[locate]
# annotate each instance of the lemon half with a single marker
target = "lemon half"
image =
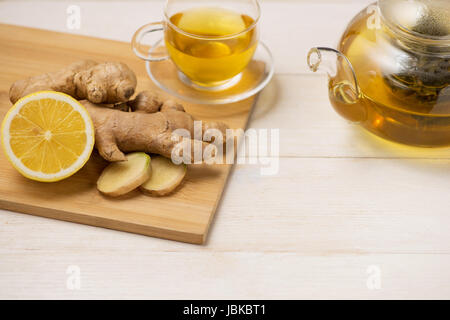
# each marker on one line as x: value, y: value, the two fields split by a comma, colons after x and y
x: 47, y: 136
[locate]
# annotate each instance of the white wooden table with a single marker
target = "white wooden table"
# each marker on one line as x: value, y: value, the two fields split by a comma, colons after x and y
x: 348, y: 215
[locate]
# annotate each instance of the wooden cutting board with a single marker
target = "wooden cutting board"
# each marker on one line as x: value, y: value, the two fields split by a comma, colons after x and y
x: 183, y: 216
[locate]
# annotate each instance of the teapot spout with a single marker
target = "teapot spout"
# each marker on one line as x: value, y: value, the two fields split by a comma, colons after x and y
x: 343, y: 84
x: 334, y: 63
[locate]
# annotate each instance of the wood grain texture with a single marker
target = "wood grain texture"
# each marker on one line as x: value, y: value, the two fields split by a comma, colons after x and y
x: 222, y: 275
x: 183, y: 216
x: 343, y: 200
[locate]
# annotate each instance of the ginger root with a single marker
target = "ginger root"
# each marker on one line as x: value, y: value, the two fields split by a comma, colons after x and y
x: 146, y: 102
x: 108, y: 82
x: 105, y: 90
x: 149, y: 129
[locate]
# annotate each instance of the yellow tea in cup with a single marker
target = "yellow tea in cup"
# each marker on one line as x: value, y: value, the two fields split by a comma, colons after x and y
x: 210, y: 45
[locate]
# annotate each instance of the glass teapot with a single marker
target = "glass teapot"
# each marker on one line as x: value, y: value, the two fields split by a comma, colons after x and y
x: 391, y: 72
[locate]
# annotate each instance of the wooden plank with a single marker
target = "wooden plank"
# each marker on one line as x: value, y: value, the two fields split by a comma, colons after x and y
x: 223, y: 275
x: 183, y: 216
x: 313, y: 206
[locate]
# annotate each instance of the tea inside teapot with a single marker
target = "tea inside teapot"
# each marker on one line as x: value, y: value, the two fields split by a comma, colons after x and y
x: 391, y: 71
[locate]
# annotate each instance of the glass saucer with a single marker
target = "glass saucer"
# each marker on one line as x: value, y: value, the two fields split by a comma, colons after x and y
x: 251, y: 80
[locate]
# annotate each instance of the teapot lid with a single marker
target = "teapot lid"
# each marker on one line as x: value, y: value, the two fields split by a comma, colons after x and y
x: 423, y: 18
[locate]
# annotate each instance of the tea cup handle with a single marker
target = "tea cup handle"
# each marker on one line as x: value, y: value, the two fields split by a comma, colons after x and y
x: 138, y: 47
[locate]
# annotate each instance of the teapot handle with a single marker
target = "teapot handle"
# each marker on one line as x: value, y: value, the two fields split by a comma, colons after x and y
x: 338, y: 68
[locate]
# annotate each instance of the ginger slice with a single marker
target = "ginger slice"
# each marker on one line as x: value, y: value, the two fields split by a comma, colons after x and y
x: 119, y: 178
x: 165, y: 177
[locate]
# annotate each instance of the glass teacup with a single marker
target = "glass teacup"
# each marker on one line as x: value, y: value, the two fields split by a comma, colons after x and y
x: 210, y: 42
